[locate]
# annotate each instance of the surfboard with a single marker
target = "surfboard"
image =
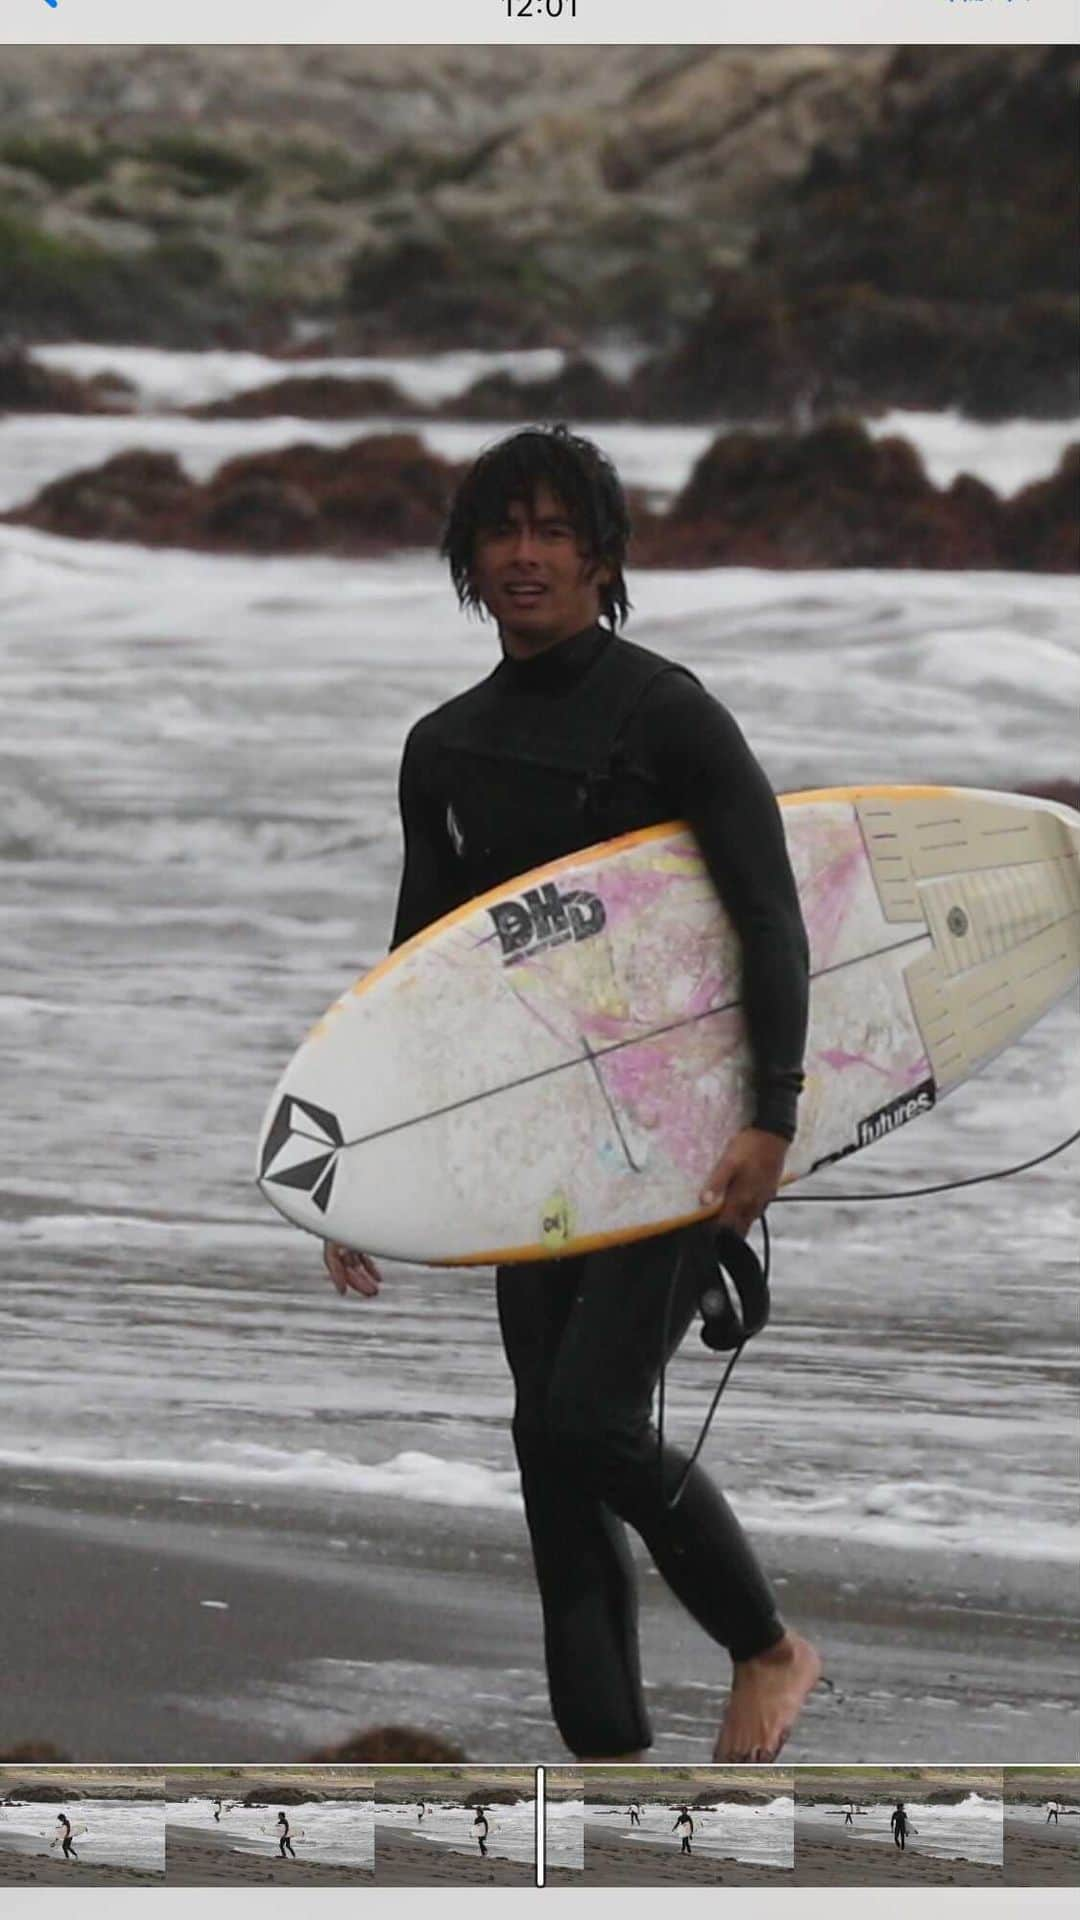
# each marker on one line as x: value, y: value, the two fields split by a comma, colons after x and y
x: 558, y: 1064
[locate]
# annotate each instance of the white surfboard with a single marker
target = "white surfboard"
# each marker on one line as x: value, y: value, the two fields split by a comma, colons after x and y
x: 558, y: 1064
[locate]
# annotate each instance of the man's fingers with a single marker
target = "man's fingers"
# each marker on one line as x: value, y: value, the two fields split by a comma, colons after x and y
x: 351, y: 1272
x: 716, y: 1190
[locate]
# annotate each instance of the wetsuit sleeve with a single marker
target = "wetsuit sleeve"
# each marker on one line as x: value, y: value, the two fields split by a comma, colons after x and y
x: 430, y: 886
x: 696, y: 752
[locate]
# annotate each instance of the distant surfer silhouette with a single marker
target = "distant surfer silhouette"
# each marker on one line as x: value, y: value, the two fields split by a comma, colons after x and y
x: 285, y: 1845
x: 899, y: 1824
x: 480, y: 1828
x: 635, y: 1814
x: 685, y: 1826
x: 64, y: 1835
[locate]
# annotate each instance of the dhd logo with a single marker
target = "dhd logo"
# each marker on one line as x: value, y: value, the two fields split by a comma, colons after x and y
x: 543, y: 918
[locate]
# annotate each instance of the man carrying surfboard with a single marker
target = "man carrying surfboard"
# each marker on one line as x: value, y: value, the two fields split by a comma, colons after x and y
x: 64, y: 1834
x: 577, y: 737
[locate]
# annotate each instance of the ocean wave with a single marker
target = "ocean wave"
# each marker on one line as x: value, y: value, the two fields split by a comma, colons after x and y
x: 412, y: 1475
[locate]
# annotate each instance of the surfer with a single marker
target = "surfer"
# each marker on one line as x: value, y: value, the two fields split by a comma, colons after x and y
x: 480, y: 1828
x: 64, y: 1835
x: 684, y: 1825
x: 849, y: 1814
x: 635, y: 1814
x: 217, y: 1810
x: 899, y: 1823
x: 285, y: 1845
x: 1052, y: 1812
x: 576, y: 737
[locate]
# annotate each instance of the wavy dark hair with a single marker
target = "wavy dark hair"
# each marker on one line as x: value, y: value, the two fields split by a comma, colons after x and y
x: 577, y: 473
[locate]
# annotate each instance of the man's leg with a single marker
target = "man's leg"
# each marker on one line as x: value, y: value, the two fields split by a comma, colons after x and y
x: 584, y: 1568
x: 600, y: 1410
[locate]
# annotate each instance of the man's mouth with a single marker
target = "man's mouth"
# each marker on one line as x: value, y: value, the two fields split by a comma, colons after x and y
x: 524, y: 592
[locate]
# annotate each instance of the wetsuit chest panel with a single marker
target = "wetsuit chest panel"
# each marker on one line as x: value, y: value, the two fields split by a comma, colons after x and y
x: 526, y: 776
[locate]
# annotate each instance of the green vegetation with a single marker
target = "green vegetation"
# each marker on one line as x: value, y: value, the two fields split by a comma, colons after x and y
x: 61, y: 162
x: 209, y: 167
x: 54, y: 287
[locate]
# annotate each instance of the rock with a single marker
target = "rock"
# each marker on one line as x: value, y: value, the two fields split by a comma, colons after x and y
x: 894, y: 214
x: 429, y: 293
x: 760, y: 353
x: 133, y: 496
x: 374, y: 494
x: 934, y: 200
x: 259, y: 514
x: 311, y: 397
x: 1041, y: 523
x: 27, y: 386
x: 392, y: 1745
x: 581, y: 392
x: 280, y: 1796
x: 833, y: 497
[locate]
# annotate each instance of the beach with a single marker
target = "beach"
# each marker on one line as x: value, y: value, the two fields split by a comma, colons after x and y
x: 402, y: 1861
x: 18, y: 1869
x: 1042, y: 1855
x: 622, y: 1862
x: 958, y: 1658
x: 194, y: 1858
x: 854, y: 1863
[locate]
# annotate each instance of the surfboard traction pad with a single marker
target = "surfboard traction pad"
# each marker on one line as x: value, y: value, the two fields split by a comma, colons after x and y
x: 1005, y: 930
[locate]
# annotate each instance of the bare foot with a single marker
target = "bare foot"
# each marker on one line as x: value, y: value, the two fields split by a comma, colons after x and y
x: 768, y: 1694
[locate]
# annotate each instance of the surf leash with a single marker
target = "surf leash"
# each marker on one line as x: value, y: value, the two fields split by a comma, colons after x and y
x: 905, y: 1193
x: 749, y: 1326
x: 945, y: 1186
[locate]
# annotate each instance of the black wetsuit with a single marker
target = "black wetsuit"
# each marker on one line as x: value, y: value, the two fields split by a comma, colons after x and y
x: 66, y: 1846
x: 684, y: 1821
x: 899, y: 1825
x: 594, y: 738
x: 480, y: 1828
x: 285, y: 1844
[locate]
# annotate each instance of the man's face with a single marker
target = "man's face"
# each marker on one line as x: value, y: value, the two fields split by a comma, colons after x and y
x: 532, y: 576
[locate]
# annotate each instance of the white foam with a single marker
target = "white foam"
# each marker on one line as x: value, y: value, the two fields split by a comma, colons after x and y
x: 165, y: 378
x: 411, y: 1475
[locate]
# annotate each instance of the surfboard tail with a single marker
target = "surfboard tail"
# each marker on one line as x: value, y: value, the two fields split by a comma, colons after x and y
x: 996, y: 883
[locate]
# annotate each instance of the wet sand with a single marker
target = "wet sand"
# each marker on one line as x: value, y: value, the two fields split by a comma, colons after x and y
x: 872, y: 1863
x: 401, y: 1861
x: 45, y: 1870
x: 616, y: 1862
x: 1049, y: 1857
x: 946, y: 1658
x: 197, y: 1859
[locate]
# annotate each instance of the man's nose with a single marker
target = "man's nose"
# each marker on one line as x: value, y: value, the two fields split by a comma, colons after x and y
x: 525, y: 542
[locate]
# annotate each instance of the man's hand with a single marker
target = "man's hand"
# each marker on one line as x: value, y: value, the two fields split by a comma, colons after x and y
x: 351, y: 1272
x: 746, y: 1178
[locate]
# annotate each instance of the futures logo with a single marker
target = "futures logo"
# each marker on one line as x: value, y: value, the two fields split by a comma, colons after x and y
x: 543, y: 918
x: 288, y: 1158
x: 896, y: 1114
